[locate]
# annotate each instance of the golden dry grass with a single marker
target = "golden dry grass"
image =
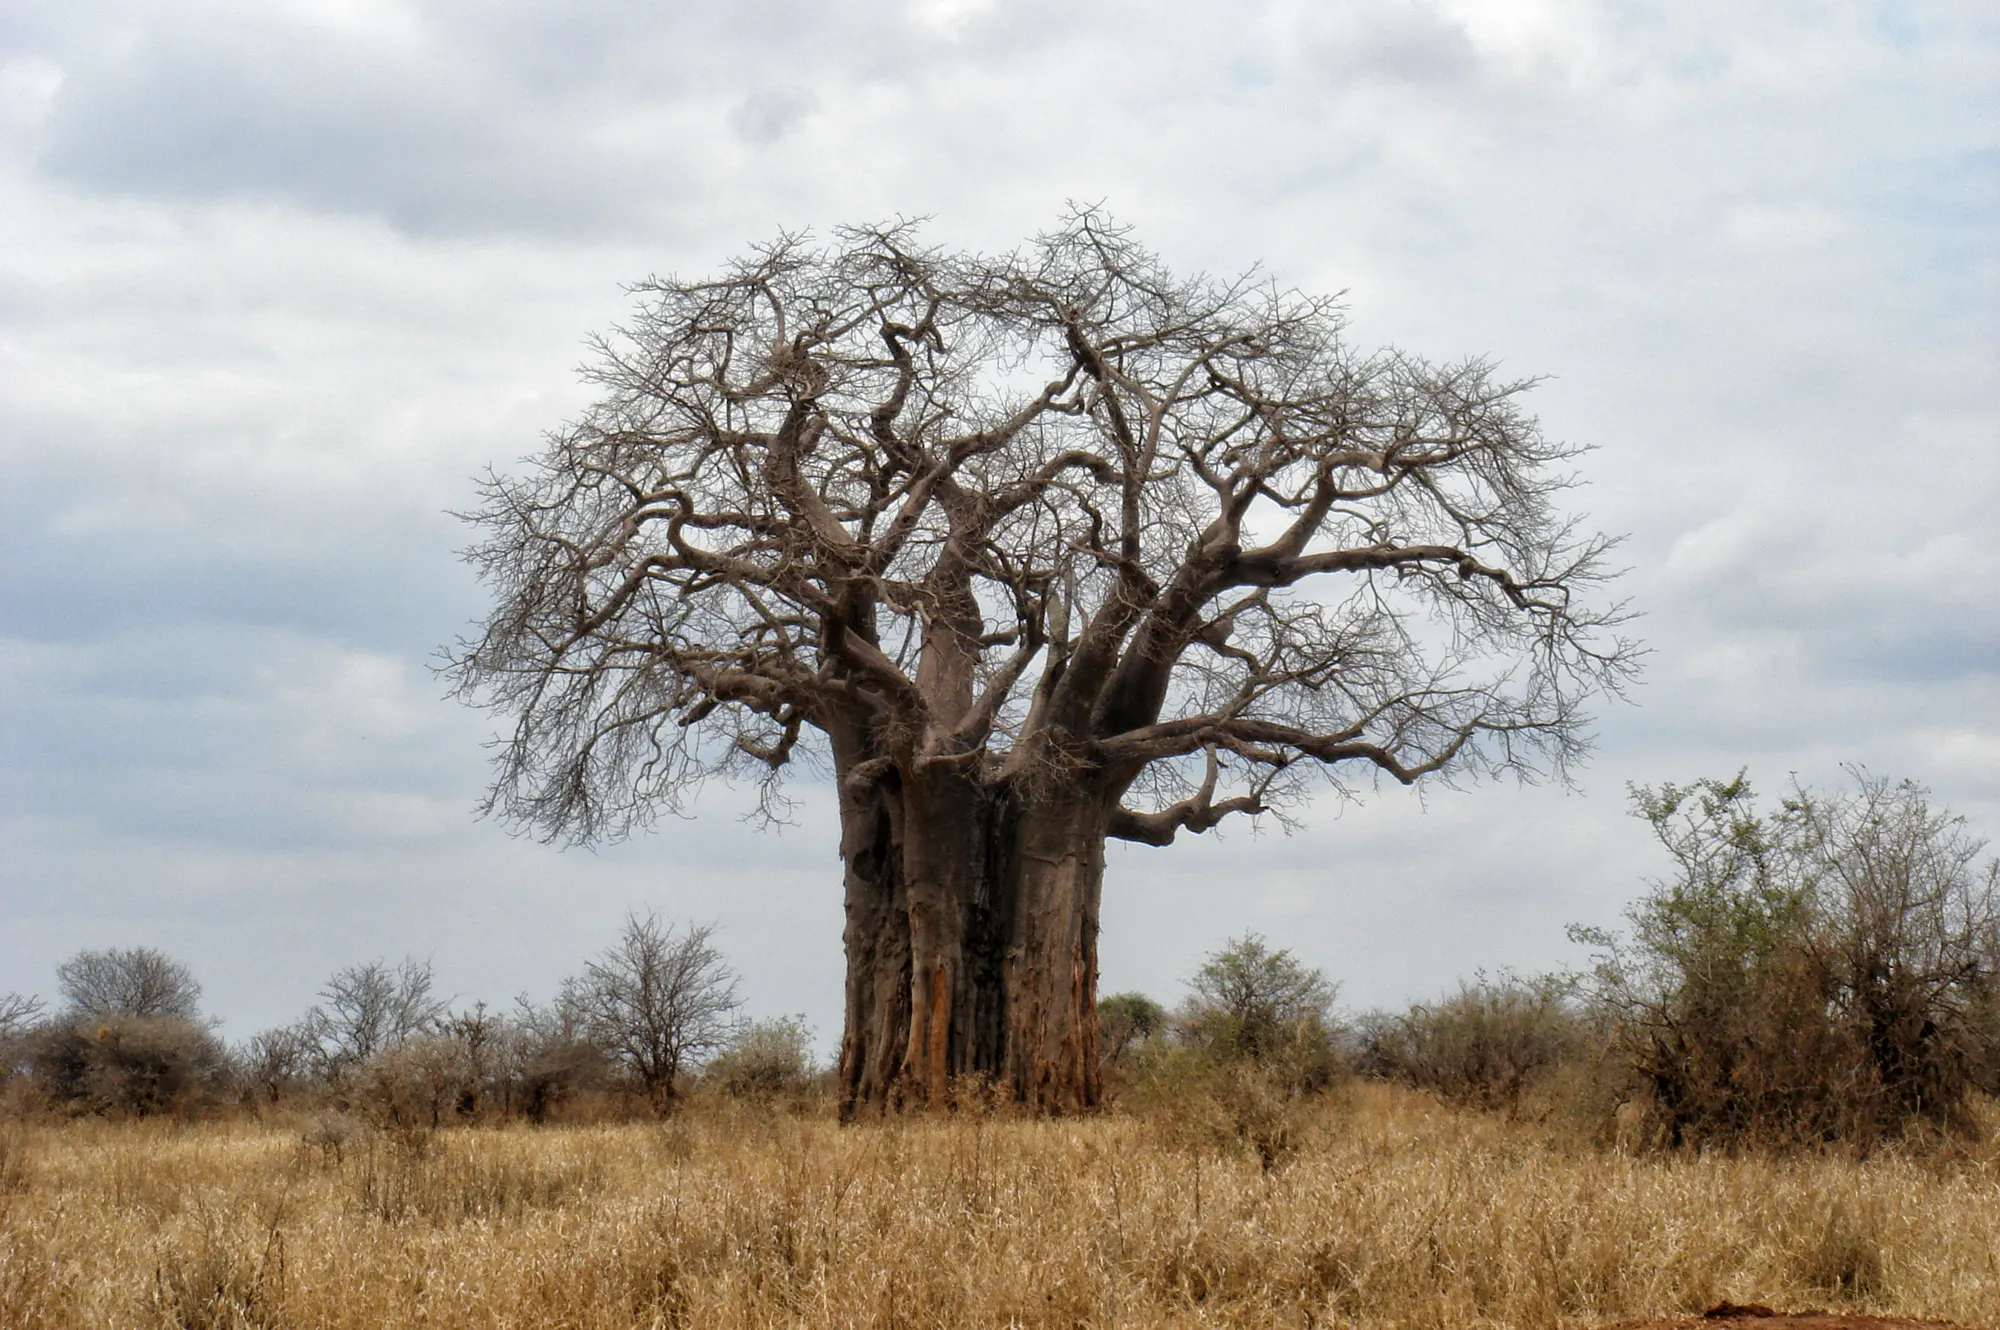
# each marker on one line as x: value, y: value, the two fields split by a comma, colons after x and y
x: 1392, y: 1212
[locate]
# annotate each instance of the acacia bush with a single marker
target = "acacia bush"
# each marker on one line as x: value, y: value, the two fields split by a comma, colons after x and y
x: 1822, y: 971
x: 1240, y: 1065
x: 1252, y: 1005
x: 1910, y: 932
x: 1130, y: 1029
x: 129, y: 1040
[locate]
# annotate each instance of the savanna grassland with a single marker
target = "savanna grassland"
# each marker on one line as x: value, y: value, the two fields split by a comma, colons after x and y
x: 1374, y: 1207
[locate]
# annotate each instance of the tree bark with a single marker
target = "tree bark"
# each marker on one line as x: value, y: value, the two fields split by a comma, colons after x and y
x: 1050, y: 975
x: 971, y: 943
x: 877, y: 938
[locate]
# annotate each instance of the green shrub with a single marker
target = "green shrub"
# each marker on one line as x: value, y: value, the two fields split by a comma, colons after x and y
x: 1262, y: 1007
x: 1125, y: 1023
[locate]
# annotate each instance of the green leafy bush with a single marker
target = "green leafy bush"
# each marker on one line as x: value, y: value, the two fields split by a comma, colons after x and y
x: 1253, y: 1005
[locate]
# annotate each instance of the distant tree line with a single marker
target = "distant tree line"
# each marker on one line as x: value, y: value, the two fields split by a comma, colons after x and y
x: 642, y: 1018
x: 1821, y: 970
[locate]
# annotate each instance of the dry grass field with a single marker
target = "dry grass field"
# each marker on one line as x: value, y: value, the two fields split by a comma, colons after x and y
x: 1388, y: 1210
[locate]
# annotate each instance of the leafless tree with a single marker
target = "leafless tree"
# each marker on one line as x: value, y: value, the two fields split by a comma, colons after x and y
x: 17, y: 1013
x: 130, y: 981
x: 272, y: 1062
x: 554, y: 1054
x: 1031, y: 551
x: 659, y: 999
x: 367, y: 1009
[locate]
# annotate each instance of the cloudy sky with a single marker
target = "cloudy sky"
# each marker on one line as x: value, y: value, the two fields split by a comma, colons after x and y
x: 277, y: 277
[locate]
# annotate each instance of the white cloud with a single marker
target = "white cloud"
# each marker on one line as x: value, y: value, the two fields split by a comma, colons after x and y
x: 950, y: 18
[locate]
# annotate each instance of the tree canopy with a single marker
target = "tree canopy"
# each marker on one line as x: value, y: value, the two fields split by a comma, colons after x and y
x: 978, y: 500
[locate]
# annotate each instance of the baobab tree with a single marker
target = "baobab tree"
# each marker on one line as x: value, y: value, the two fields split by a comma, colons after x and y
x: 1026, y: 552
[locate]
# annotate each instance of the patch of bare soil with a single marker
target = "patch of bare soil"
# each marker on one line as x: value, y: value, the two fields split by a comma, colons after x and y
x: 1755, y: 1316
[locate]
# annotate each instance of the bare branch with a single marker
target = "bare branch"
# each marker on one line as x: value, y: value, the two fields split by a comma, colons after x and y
x: 1059, y: 509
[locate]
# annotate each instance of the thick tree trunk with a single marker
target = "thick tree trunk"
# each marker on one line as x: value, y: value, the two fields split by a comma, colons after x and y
x: 877, y: 937
x: 1050, y: 974
x: 971, y: 944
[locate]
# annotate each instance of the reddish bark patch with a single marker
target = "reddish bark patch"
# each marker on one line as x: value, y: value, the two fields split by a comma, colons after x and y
x: 1756, y: 1316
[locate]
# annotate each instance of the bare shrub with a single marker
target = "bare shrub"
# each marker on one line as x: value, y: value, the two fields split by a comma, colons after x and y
x: 328, y: 1136
x: 128, y: 1065
x: 274, y: 1063
x: 130, y: 1039
x: 1907, y: 918
x: 420, y: 1082
x: 18, y: 1015
x: 1485, y: 1046
x: 487, y: 1041
x: 765, y: 1061
x: 552, y: 1058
